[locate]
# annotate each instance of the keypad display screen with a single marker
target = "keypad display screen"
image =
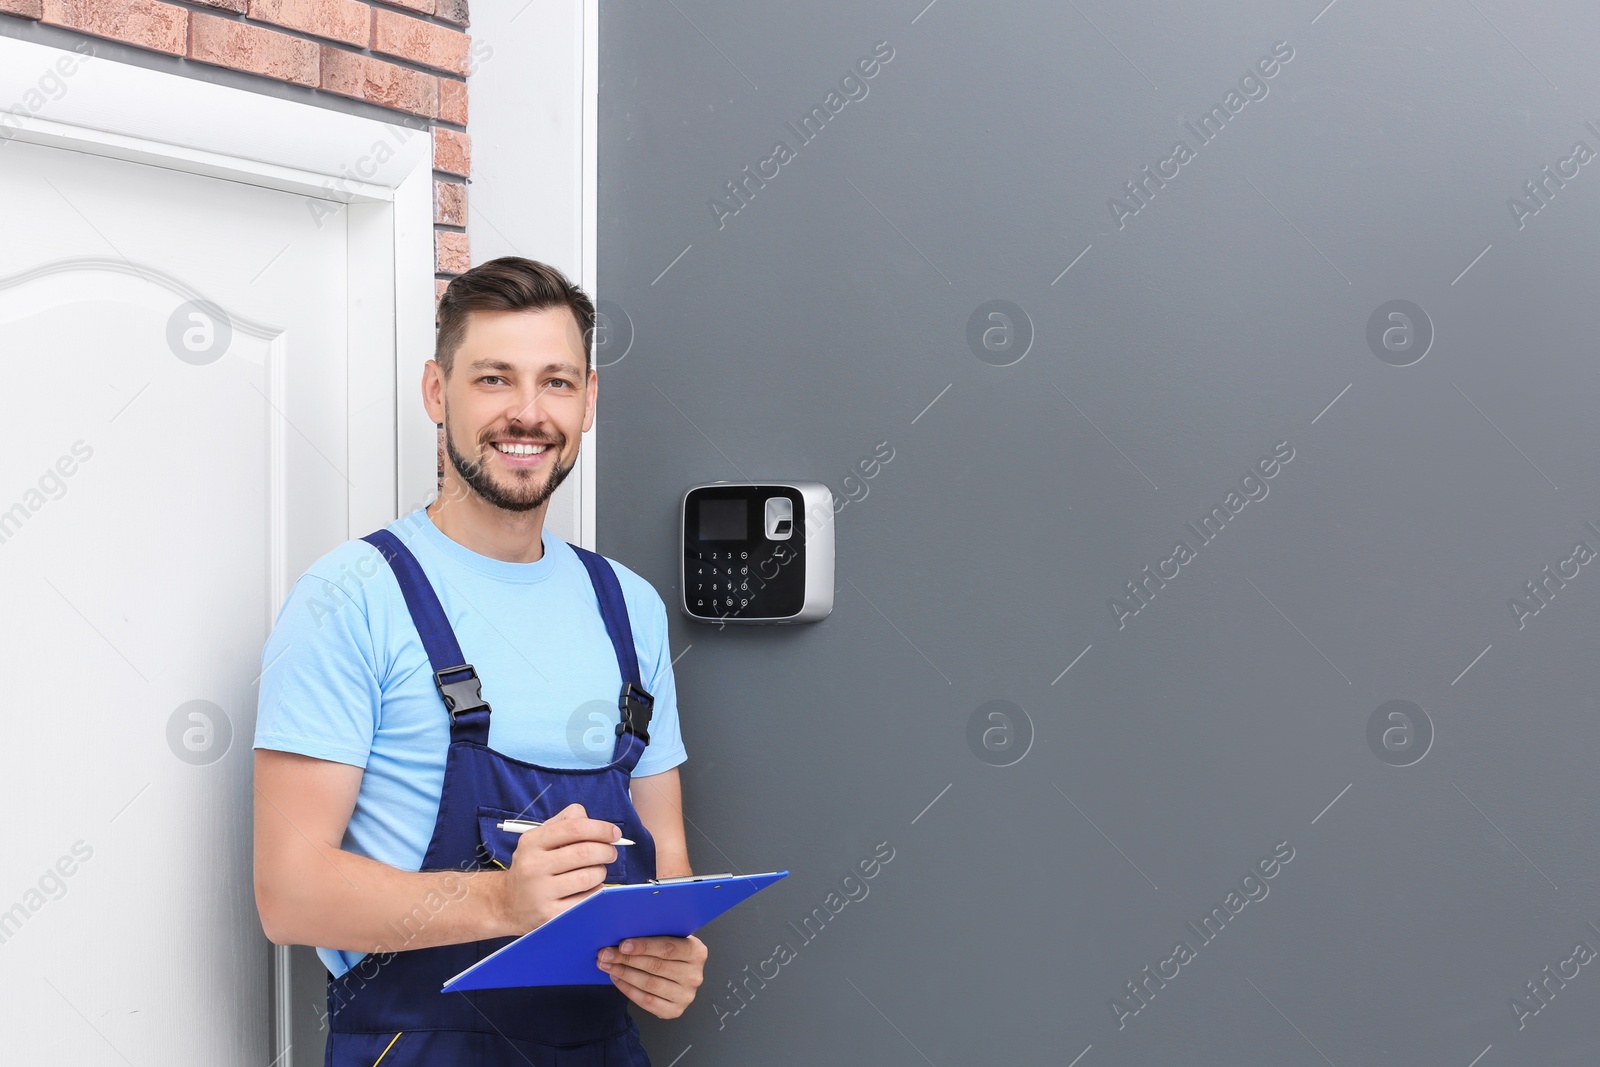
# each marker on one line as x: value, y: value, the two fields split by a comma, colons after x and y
x: 725, y: 519
x: 732, y: 569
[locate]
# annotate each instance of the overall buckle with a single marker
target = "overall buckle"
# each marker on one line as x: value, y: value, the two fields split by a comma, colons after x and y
x: 636, y: 705
x: 463, y: 694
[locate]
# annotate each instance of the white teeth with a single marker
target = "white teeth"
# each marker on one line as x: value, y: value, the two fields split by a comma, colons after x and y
x: 520, y: 450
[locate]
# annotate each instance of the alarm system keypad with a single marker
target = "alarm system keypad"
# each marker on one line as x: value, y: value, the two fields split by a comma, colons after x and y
x: 726, y: 581
x: 744, y: 553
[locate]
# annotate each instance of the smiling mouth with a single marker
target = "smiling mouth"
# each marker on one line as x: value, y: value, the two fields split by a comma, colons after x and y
x: 519, y: 448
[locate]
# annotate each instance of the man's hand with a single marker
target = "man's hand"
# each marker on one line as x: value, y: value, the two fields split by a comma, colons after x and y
x: 660, y: 974
x: 557, y: 865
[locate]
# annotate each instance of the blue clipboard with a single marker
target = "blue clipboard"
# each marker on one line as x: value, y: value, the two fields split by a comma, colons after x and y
x: 563, y: 950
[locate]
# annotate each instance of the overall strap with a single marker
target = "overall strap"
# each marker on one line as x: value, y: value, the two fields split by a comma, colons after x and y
x: 633, y: 731
x: 453, y: 676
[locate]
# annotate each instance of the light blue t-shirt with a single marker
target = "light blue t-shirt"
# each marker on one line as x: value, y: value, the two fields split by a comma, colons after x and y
x: 345, y: 677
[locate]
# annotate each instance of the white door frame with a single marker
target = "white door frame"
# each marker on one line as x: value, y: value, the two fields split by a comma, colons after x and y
x: 381, y: 176
x: 589, y: 270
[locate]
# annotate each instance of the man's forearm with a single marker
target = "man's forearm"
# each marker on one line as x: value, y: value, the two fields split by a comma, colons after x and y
x: 344, y: 901
x: 672, y: 863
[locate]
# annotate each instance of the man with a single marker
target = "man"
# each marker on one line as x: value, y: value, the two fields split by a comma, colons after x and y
x: 436, y: 678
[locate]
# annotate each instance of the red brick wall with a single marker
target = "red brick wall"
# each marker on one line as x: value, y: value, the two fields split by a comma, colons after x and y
x: 410, y: 56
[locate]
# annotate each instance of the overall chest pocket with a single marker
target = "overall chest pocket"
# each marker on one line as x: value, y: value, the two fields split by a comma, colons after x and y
x: 496, y: 846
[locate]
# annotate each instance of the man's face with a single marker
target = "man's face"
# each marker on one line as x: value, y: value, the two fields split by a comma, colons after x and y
x: 516, y: 404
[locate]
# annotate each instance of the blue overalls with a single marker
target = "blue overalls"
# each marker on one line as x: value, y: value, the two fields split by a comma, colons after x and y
x: 389, y: 1008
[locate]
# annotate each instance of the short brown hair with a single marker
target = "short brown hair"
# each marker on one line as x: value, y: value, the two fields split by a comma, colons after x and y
x: 509, y: 283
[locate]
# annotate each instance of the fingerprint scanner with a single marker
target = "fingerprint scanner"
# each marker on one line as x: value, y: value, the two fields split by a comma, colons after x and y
x: 779, y: 523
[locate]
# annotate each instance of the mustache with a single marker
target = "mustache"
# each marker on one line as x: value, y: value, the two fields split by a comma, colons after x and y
x: 524, y: 438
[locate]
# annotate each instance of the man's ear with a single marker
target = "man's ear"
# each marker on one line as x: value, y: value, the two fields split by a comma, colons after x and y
x: 433, y: 391
x: 589, y: 400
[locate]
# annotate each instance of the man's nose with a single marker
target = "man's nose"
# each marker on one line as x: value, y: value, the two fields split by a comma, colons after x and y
x: 527, y: 407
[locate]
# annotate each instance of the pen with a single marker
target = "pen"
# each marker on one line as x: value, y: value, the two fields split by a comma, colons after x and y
x: 522, y: 826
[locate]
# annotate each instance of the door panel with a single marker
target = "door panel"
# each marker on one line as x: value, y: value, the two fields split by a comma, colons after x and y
x: 176, y: 451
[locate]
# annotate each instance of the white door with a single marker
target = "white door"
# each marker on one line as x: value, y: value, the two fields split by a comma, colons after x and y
x: 176, y: 450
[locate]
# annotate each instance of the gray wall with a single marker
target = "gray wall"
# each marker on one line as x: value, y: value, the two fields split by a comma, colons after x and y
x: 1220, y: 320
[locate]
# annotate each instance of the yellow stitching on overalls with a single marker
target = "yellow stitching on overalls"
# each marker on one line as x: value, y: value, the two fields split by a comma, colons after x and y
x: 386, y: 1049
x: 497, y: 863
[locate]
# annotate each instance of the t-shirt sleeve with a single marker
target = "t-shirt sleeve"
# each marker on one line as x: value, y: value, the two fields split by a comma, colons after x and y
x: 320, y: 692
x: 665, y: 750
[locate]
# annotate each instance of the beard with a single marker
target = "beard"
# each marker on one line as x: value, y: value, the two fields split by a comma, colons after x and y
x: 525, y: 493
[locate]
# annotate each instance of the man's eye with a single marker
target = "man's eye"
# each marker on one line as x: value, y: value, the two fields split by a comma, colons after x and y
x: 491, y: 377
